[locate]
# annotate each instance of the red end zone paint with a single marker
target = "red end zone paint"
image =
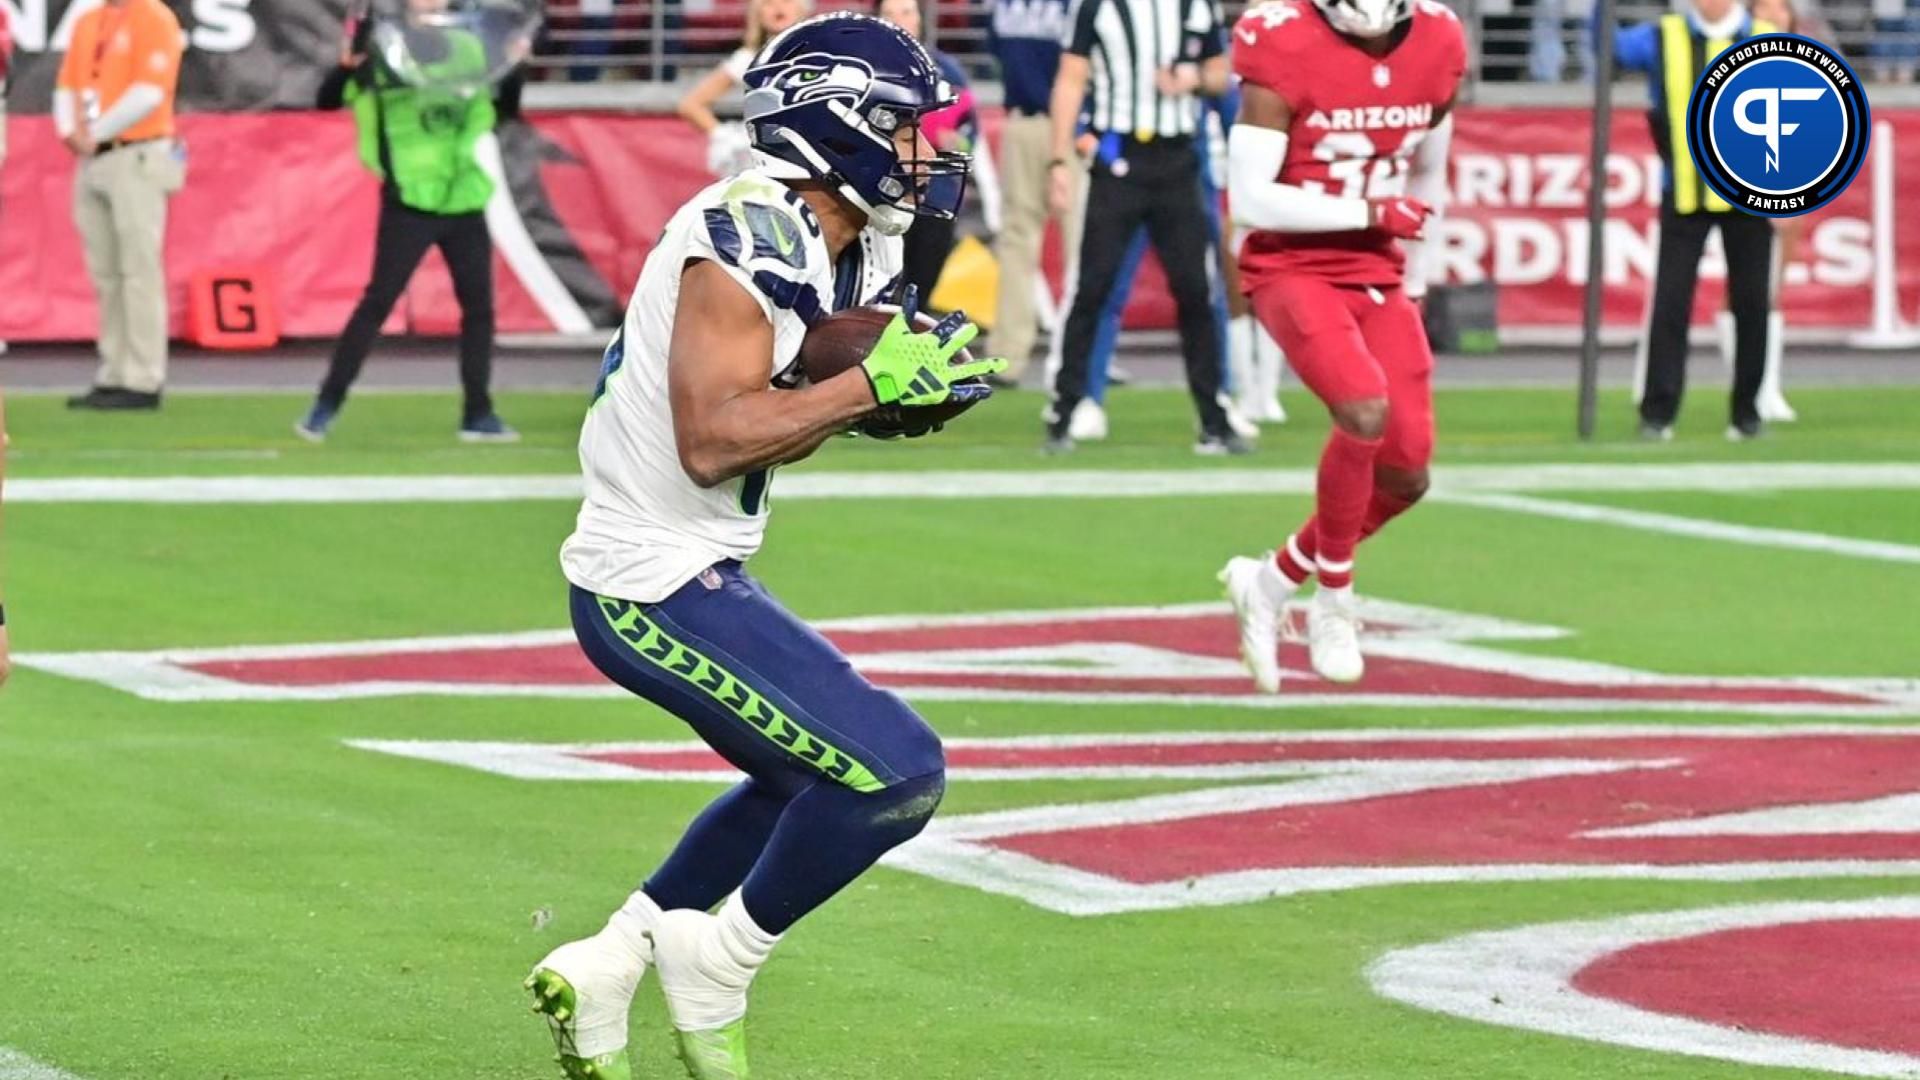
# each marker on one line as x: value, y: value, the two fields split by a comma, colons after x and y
x: 1847, y: 982
x: 537, y: 665
x: 1543, y: 820
x: 1172, y: 653
x: 1821, y: 986
x: 1266, y: 814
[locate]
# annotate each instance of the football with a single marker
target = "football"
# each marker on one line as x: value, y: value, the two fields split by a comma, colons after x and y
x: 842, y: 340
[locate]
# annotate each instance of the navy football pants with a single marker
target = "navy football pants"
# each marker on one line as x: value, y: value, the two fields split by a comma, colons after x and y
x: 838, y: 771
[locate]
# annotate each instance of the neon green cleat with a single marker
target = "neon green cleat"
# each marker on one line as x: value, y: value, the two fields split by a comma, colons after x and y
x: 719, y: 1054
x: 554, y: 998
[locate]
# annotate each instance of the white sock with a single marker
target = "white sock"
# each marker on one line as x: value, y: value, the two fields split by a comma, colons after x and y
x: 746, y: 945
x: 1274, y: 583
x: 1240, y: 367
x: 630, y: 926
x: 728, y: 953
x: 1334, y: 597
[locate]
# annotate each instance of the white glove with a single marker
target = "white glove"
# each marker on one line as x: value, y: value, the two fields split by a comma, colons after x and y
x: 728, y: 150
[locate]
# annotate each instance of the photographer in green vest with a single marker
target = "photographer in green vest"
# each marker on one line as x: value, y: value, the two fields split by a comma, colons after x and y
x: 420, y: 94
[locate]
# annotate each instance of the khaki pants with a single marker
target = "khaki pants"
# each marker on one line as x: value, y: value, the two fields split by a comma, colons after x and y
x: 120, y: 206
x: 1024, y: 153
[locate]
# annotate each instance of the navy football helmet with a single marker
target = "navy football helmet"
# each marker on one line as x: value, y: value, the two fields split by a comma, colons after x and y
x: 823, y: 102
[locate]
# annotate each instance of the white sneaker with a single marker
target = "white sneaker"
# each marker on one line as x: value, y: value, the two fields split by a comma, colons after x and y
x: 1333, y: 638
x: 1259, y: 592
x: 706, y: 992
x: 1241, y: 423
x: 1271, y: 412
x: 1088, y: 423
x: 585, y: 989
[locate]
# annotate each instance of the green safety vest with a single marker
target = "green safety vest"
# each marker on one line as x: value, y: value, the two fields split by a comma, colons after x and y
x: 1681, y: 62
x: 421, y: 140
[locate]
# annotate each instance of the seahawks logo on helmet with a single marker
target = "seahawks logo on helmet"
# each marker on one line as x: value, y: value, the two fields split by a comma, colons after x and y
x: 825, y: 101
x: 816, y: 78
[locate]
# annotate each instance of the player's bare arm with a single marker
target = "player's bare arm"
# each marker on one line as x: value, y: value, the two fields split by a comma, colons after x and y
x: 726, y: 420
x: 1063, y: 109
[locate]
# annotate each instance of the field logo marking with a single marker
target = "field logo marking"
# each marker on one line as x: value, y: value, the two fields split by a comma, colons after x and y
x: 1797, y: 985
x: 15, y: 1065
x: 1283, y: 813
x: 1179, y: 655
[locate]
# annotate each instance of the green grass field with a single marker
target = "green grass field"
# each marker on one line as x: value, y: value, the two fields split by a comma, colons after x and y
x: 211, y: 889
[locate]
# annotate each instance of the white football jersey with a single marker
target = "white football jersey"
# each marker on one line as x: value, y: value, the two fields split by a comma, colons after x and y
x: 645, y: 528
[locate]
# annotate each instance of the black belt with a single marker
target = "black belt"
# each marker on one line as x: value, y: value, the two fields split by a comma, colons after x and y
x: 111, y: 145
x: 1015, y: 110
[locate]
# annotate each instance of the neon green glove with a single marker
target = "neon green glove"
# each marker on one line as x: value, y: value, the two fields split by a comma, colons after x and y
x: 914, y: 367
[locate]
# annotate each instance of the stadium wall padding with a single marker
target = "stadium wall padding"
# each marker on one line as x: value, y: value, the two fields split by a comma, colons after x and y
x: 282, y: 192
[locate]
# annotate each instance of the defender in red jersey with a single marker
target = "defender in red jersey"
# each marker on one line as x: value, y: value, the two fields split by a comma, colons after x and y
x: 1335, y: 166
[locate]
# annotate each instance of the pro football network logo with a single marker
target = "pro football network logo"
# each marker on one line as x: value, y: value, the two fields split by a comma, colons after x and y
x: 1778, y: 125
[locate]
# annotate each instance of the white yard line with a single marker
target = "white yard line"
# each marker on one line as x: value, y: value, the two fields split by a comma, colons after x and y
x: 15, y: 1065
x: 1696, y: 528
x: 988, y: 484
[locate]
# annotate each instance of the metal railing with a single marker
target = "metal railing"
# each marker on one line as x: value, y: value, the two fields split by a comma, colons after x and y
x: 1511, y: 41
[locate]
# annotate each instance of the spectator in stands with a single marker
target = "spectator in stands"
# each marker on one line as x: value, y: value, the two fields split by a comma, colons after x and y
x: 113, y: 107
x: 420, y: 141
x: 1896, y: 41
x: 727, y: 150
x: 1547, y: 45
x: 596, y: 26
x: 951, y: 130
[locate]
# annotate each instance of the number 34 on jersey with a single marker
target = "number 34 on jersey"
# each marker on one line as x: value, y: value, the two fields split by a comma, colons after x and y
x: 1356, y: 118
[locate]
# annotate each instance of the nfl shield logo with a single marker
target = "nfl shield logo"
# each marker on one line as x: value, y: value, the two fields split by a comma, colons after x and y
x: 1381, y: 76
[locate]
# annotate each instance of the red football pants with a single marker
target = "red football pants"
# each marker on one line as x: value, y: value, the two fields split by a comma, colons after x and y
x: 1352, y: 342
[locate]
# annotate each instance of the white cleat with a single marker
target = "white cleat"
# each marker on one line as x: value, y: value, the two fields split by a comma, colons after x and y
x: 1259, y: 593
x: 1333, y: 638
x: 1240, y: 423
x: 1773, y: 408
x: 1088, y: 422
x: 585, y: 988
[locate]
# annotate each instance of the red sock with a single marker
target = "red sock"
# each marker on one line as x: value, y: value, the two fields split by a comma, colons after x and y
x: 1345, y: 487
x: 1295, y: 557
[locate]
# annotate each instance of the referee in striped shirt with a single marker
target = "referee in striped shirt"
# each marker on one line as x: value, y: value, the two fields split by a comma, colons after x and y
x: 1143, y: 61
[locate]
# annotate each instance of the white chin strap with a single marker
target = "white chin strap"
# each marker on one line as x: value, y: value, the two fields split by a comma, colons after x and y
x: 887, y: 220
